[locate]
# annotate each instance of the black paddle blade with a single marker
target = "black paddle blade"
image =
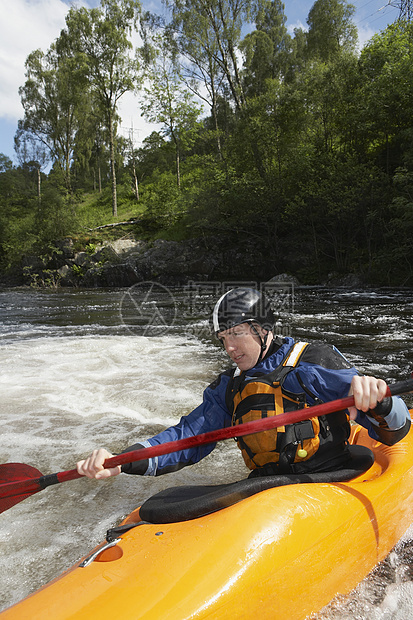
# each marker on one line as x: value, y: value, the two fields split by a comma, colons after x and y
x: 15, y: 472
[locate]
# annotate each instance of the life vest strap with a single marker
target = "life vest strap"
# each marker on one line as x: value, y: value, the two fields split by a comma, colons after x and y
x: 295, y: 354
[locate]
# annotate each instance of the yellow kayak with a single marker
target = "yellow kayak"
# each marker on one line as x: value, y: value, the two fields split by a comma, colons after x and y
x: 284, y: 552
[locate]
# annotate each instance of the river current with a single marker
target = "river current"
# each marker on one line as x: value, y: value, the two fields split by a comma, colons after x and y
x: 87, y: 368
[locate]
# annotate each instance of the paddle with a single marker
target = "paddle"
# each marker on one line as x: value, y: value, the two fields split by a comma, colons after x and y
x: 18, y: 481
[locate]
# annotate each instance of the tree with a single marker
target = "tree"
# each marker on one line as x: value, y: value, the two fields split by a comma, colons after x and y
x: 331, y: 90
x: 330, y: 29
x: 155, y: 156
x: 386, y: 95
x: 219, y: 34
x: 31, y: 152
x: 198, y: 49
x: 101, y: 38
x: 132, y: 163
x: 54, y: 97
x: 166, y: 100
x: 6, y: 182
x: 399, y: 229
x: 268, y: 48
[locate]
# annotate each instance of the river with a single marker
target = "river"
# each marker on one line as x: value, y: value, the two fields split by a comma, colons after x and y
x: 88, y: 368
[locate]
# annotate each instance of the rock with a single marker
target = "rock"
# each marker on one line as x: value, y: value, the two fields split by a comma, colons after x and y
x: 112, y: 276
x: 32, y: 268
x: 82, y: 259
x: 65, y: 246
x: 285, y: 277
x: 127, y: 246
x: 67, y: 277
x: 350, y: 280
x: 106, y: 254
x: 127, y: 261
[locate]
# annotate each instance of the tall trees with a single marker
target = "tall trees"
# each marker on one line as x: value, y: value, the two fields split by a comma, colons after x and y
x: 268, y: 48
x: 387, y: 94
x: 299, y: 130
x: 215, y: 28
x: 329, y: 75
x: 84, y: 74
x: 54, y: 97
x: 101, y: 37
x: 331, y: 29
x: 31, y: 152
x: 198, y: 49
x: 167, y: 102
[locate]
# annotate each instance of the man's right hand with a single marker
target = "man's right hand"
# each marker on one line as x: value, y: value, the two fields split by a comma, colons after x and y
x: 92, y: 466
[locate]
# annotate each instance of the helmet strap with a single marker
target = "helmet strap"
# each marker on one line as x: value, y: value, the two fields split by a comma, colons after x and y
x: 263, y: 341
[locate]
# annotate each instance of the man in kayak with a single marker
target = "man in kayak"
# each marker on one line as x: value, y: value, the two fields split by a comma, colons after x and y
x: 272, y: 375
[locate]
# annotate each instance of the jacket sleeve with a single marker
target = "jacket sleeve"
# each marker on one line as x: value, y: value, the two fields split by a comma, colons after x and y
x: 325, y: 374
x: 210, y: 415
x: 389, y: 422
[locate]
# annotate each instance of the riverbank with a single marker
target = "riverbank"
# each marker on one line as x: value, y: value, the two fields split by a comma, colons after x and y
x: 126, y: 261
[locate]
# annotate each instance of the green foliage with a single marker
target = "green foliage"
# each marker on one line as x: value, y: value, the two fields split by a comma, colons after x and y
x: 399, y: 247
x: 161, y: 198
x: 78, y: 271
x: 90, y: 248
x: 94, y: 209
x: 54, y: 98
x: 268, y: 49
x: 18, y: 239
x: 387, y: 86
x: 46, y: 278
x: 331, y: 30
x: 55, y: 216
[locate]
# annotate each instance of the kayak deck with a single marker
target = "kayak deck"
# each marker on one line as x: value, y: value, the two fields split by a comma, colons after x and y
x: 284, y: 552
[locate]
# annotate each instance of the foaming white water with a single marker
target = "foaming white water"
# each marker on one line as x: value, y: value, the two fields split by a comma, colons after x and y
x: 385, y: 594
x: 62, y: 397
x: 57, y: 390
x: 97, y: 375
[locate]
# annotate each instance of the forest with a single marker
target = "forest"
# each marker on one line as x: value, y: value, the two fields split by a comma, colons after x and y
x: 296, y: 146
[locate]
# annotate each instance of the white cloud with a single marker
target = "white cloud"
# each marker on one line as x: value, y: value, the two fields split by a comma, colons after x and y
x: 297, y: 24
x: 25, y: 25
x: 365, y: 33
x: 131, y: 119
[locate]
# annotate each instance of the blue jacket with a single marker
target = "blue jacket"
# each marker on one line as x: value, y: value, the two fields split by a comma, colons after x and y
x: 326, y: 374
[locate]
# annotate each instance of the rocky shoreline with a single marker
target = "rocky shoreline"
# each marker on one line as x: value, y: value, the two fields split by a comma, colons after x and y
x: 127, y: 261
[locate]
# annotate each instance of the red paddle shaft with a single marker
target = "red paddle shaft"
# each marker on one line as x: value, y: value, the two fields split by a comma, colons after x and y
x: 36, y: 484
x: 249, y: 428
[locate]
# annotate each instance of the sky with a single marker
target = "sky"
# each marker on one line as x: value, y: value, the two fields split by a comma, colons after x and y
x: 27, y: 25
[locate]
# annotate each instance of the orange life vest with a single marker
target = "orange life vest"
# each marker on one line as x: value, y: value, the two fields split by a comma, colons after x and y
x: 260, y: 396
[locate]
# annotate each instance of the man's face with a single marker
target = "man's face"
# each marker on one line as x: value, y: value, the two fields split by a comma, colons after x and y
x: 242, y: 345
